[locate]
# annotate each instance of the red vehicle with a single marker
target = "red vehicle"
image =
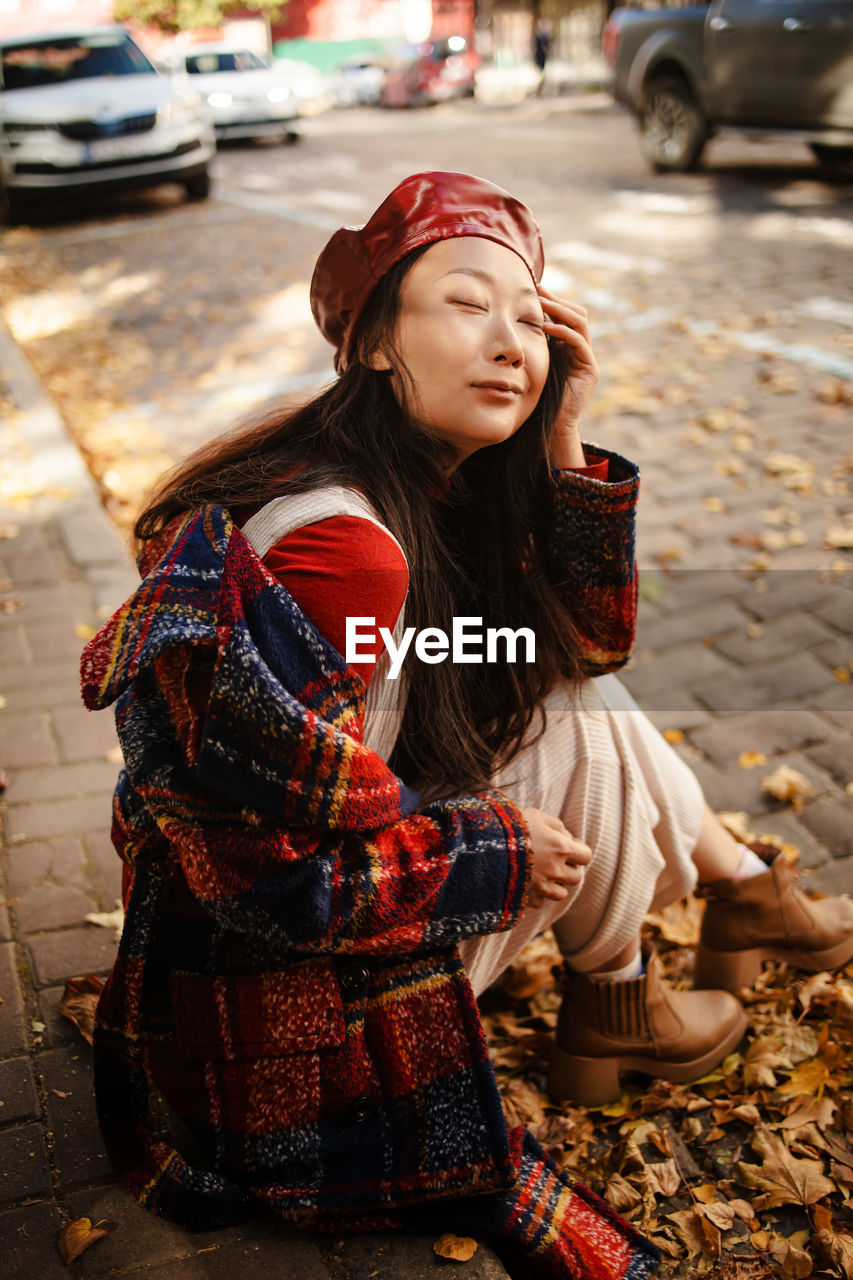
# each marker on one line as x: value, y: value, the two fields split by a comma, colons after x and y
x: 423, y: 74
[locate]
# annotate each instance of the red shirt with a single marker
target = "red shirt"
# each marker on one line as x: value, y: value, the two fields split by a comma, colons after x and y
x: 348, y: 567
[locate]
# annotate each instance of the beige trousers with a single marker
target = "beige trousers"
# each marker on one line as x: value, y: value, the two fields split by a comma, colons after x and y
x: 603, y: 768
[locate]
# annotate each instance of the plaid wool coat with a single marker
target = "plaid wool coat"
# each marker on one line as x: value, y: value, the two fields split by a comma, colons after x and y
x: 288, y: 977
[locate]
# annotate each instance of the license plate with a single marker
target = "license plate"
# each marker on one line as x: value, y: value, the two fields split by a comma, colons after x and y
x: 118, y: 148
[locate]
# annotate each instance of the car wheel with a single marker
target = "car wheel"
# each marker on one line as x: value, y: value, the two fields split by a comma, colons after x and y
x: 198, y: 186
x: 832, y: 157
x: 673, y: 129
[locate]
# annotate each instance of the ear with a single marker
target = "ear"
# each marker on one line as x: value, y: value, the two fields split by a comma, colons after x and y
x: 377, y: 360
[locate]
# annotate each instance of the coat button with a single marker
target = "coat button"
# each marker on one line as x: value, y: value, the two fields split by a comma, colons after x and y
x: 361, y: 1109
x: 354, y: 978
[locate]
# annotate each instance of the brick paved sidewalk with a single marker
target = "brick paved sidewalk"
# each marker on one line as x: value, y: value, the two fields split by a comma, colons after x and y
x: 62, y: 569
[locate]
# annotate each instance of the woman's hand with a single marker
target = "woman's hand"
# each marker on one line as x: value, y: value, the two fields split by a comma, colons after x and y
x: 567, y: 322
x: 558, y: 858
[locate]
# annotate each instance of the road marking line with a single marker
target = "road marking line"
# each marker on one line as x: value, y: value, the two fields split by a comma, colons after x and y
x: 828, y: 309
x: 592, y: 255
x: 274, y: 208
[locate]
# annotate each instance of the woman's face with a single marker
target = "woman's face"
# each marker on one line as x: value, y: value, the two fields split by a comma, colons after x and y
x: 470, y: 333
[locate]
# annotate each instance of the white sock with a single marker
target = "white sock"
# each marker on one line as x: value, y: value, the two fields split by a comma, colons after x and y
x: 633, y: 969
x: 750, y: 864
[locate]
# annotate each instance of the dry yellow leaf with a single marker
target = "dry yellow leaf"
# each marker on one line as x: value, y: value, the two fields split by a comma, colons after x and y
x: 839, y: 535
x: 808, y: 1077
x: 842, y: 675
x: 84, y: 632
x: 751, y: 759
x: 457, y: 1248
x: 780, y: 464
x: 754, y: 630
x: 673, y: 736
x: 782, y: 1177
x: 787, y: 784
x: 76, y: 1237
x: 714, y: 504
x: 736, y: 823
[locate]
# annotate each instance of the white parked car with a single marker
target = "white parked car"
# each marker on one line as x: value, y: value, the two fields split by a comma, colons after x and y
x: 246, y: 97
x: 358, y: 80
x: 311, y: 86
x: 84, y: 109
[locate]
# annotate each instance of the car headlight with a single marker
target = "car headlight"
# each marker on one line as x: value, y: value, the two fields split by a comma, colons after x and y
x: 279, y: 94
x: 219, y: 99
x: 179, y: 110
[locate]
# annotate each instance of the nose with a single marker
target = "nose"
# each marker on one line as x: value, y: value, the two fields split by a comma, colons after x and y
x: 506, y: 344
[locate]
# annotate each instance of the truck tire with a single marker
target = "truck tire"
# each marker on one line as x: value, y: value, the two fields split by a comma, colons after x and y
x: 673, y: 129
x: 832, y: 157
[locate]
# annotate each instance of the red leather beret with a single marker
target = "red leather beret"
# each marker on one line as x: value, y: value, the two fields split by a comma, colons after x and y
x: 423, y: 208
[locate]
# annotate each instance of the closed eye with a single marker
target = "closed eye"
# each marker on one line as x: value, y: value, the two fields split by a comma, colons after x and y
x: 536, y: 324
x: 468, y: 302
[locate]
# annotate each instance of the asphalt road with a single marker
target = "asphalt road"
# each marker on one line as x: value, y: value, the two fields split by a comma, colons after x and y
x: 720, y: 300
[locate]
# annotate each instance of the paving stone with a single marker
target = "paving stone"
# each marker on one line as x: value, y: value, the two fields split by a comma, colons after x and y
x: 139, y: 1239
x: 84, y: 735
x: 37, y: 693
x: 790, y: 633
x: 38, y: 604
x: 834, y: 878
x: 763, y: 688
x: 740, y: 789
x: 54, y: 643
x: 53, y: 906
x: 797, y: 589
x: 28, y: 1242
x: 23, y: 1164
x: 690, y: 624
x: 838, y: 611
x: 837, y: 652
x: 79, y: 1148
x: 771, y: 732
x: 831, y: 820
x: 26, y: 740
x: 58, y: 1030
x: 89, y: 536
x: 404, y: 1258
x: 106, y: 867
x: 18, y: 1091
x: 13, y: 648
x: 836, y: 756
x: 787, y: 826
x: 650, y: 674
x: 29, y: 568
x: 13, y: 1036
x: 684, y: 718
x: 62, y: 860
x: 61, y: 781
x: 43, y: 819
x: 70, y: 953
x: 5, y: 925
x: 686, y: 589
x: 836, y: 701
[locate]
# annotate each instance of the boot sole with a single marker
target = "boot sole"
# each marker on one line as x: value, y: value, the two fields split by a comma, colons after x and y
x: 593, y: 1082
x: 733, y: 970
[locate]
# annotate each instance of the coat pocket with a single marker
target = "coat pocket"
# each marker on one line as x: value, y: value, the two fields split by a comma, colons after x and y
x: 233, y: 1017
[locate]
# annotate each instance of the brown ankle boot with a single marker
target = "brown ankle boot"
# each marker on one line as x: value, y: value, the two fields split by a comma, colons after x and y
x: 767, y: 917
x: 641, y: 1024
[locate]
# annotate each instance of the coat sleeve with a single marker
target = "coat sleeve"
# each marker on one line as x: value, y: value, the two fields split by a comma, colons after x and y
x: 591, y: 558
x: 352, y: 867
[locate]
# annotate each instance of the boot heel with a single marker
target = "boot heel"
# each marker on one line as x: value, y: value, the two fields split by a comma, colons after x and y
x: 726, y: 970
x: 589, y: 1082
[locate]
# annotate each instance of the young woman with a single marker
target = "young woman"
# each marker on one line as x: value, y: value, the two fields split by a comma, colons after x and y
x: 330, y: 848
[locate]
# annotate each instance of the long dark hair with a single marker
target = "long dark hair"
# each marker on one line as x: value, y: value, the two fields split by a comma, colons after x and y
x: 476, y: 545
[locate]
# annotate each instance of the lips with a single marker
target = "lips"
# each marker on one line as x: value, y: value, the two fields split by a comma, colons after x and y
x: 498, y: 386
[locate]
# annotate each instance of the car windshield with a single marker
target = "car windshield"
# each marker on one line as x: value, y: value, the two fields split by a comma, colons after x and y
x: 205, y: 64
x: 59, y: 59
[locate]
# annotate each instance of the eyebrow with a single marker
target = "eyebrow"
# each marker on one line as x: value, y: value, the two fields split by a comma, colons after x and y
x: 487, y: 277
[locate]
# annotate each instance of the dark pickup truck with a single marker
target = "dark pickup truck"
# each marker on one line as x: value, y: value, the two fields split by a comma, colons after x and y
x: 759, y: 67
